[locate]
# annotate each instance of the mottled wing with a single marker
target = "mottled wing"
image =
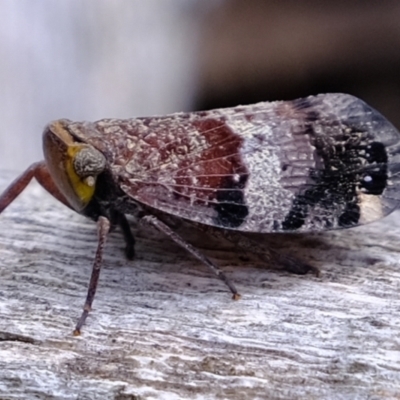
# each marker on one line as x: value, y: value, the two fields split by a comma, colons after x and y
x: 305, y: 165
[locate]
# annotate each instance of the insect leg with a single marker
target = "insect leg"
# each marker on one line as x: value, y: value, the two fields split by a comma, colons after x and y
x: 129, y: 238
x: 40, y: 172
x: 154, y: 221
x: 273, y: 258
x: 103, y: 227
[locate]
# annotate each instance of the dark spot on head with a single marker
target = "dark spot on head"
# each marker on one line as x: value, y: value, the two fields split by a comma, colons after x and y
x: 285, y: 167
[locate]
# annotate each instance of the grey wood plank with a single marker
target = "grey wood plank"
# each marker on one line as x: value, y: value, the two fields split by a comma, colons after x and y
x: 164, y: 328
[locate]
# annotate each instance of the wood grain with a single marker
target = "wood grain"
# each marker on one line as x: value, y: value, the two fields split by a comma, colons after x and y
x: 164, y: 328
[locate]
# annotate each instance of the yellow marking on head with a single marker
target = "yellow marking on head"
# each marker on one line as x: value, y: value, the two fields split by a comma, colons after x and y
x: 83, y: 187
x: 73, y: 165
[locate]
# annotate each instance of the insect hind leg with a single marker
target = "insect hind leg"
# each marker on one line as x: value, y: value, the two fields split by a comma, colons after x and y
x: 273, y: 258
x: 161, y: 226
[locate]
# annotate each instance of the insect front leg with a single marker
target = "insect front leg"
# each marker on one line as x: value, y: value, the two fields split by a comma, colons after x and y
x: 161, y: 226
x: 103, y: 228
x: 38, y: 171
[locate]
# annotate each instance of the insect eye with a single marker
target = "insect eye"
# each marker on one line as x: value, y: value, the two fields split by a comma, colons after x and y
x: 88, y: 162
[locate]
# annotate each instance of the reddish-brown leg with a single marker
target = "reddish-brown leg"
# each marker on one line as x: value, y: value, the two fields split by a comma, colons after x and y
x: 103, y: 227
x: 40, y: 172
x: 162, y: 227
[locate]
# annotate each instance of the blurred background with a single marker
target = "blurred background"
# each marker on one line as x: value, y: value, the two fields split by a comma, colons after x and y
x: 91, y: 59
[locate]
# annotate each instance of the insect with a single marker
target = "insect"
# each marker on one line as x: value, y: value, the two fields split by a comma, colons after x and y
x: 323, y: 162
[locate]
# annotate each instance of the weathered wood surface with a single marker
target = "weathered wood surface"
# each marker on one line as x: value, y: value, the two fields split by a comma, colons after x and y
x: 164, y: 328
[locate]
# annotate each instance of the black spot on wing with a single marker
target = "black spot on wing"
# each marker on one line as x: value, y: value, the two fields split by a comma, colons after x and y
x: 350, y: 216
x: 298, y: 214
x: 376, y: 152
x: 231, y: 207
x: 350, y: 161
x: 375, y: 177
